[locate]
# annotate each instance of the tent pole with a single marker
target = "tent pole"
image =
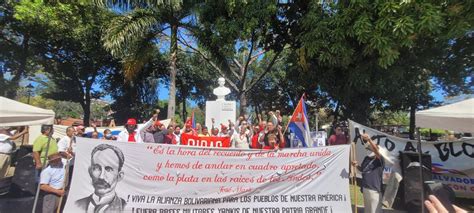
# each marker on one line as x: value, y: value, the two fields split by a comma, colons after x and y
x: 420, y: 152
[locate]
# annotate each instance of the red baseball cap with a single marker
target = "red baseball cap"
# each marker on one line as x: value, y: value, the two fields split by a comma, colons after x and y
x: 131, y: 121
x: 189, y: 123
x: 157, y: 123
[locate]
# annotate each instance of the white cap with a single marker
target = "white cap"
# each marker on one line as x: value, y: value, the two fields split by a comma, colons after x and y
x: 4, y: 137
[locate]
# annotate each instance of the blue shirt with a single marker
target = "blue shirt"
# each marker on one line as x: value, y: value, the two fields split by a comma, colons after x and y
x: 53, y: 176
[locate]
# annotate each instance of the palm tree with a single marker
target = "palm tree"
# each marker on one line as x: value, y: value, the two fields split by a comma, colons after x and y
x: 141, y: 29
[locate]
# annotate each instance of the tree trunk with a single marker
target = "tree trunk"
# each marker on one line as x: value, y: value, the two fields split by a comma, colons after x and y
x: 243, y: 103
x: 173, y: 70
x: 412, y: 121
x: 184, y: 109
x: 87, y: 113
x: 86, y: 107
x: 336, y: 115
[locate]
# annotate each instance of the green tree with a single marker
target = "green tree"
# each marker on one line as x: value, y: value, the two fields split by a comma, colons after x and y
x: 193, y: 82
x: 69, y: 48
x: 15, y: 51
x: 237, y: 40
x: 369, y: 56
x: 136, y: 34
x: 137, y: 98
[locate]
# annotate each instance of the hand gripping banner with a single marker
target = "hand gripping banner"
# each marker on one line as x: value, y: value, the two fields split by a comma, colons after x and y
x: 452, y: 161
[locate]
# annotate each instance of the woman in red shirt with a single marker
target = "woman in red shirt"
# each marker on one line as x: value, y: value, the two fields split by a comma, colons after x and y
x: 338, y: 137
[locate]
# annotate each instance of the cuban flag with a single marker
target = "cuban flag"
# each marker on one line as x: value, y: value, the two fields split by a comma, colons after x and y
x: 299, y: 123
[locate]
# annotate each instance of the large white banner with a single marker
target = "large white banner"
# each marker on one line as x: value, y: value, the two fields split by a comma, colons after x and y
x: 129, y: 177
x: 452, y: 162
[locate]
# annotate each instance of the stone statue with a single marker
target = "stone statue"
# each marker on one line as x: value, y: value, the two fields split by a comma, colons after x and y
x: 221, y: 91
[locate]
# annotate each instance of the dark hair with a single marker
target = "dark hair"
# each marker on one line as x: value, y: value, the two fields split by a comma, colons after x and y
x: 271, y: 136
x: 69, y: 127
x: 45, y: 128
x: 117, y: 151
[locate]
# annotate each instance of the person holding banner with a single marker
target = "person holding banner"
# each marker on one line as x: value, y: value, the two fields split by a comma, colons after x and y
x: 67, y: 149
x: 52, y: 183
x: 434, y: 205
x: 255, y: 136
x: 169, y: 138
x: 241, y: 139
x: 225, y: 131
x: 177, y: 134
x: 372, y: 170
x: 270, y: 129
x: 160, y: 132
x: 205, y: 132
x: 188, y: 128
x: 272, y: 142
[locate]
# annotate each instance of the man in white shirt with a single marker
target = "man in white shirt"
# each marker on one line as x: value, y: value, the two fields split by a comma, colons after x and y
x: 133, y: 132
x: 67, y: 146
x: 52, y: 183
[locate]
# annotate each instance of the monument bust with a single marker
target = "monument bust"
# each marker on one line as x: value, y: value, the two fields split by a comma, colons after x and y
x: 221, y: 91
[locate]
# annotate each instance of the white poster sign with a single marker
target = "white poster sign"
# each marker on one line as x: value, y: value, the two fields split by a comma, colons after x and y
x: 319, y: 138
x: 129, y: 177
x: 452, y: 162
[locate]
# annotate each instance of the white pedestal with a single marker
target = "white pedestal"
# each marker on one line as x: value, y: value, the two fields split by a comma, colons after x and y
x: 221, y: 111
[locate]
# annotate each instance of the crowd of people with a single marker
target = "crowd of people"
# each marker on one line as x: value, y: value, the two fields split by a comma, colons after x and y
x: 262, y: 135
x: 54, y: 159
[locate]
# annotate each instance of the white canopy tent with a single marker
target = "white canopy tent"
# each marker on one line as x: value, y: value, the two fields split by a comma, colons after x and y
x: 457, y: 117
x: 14, y: 113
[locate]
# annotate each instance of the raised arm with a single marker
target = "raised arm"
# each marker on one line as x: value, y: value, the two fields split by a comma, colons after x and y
x: 18, y: 135
x: 142, y: 128
x: 282, y: 138
x: 375, y: 149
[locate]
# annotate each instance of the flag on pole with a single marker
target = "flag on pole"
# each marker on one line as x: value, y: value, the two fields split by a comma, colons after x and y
x: 299, y: 123
x: 193, y: 120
